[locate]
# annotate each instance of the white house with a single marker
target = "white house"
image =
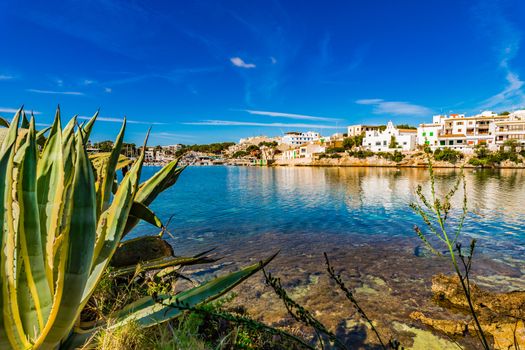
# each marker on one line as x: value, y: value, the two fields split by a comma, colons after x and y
x: 381, y: 141
x: 428, y: 135
x: 309, y: 149
x: 298, y: 138
x: 356, y: 130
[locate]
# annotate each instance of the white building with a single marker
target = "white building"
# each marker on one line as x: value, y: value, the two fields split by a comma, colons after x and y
x: 356, y: 130
x: 381, y: 141
x: 459, y: 132
x: 298, y: 138
x: 310, y: 149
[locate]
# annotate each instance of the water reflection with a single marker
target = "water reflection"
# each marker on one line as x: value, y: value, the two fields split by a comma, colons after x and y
x: 214, y: 202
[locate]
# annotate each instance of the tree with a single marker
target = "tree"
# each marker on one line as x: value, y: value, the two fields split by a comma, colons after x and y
x: 348, y: 143
x: 393, y: 143
x: 405, y: 126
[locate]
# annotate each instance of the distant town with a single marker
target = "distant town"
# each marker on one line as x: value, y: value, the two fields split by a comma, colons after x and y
x: 463, y: 134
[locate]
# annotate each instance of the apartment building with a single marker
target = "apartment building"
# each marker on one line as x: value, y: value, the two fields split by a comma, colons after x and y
x: 295, y: 139
x: 459, y: 132
x: 390, y: 139
x: 513, y: 128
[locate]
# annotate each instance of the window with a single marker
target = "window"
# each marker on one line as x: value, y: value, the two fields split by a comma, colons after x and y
x: 378, y: 143
x: 459, y: 123
x: 451, y: 142
x: 442, y: 143
x: 384, y: 143
x: 460, y: 130
x: 459, y: 141
x: 424, y: 134
x: 404, y: 143
x: 431, y: 133
x: 426, y: 142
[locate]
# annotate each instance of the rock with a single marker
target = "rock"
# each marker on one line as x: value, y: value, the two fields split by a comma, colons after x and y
x: 451, y: 327
x: 500, y: 314
x: 140, y: 249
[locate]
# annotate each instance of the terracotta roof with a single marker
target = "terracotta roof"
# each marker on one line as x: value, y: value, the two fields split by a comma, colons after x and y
x: 407, y: 130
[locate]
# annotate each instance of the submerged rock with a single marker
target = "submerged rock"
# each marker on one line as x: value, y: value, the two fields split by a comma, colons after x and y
x: 500, y: 314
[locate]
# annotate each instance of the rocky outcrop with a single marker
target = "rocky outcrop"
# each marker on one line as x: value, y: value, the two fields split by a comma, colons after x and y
x: 141, y: 249
x: 501, y: 315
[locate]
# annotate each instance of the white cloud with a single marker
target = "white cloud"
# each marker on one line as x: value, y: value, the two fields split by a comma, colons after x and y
x: 511, y: 96
x: 76, y: 93
x: 14, y: 110
x: 60, y: 82
x: 239, y: 62
x: 505, y: 37
x: 395, y: 107
x: 120, y: 120
x: 271, y: 125
x: 273, y: 59
x: 108, y: 90
x: 289, y: 115
x: 88, y: 82
x: 6, y: 77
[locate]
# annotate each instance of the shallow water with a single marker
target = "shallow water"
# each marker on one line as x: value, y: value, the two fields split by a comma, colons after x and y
x: 210, y: 204
x: 362, y: 218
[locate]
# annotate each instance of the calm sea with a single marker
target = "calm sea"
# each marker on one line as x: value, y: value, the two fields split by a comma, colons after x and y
x: 211, y: 205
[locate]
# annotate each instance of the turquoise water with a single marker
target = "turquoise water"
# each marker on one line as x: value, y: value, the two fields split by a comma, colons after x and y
x: 214, y: 204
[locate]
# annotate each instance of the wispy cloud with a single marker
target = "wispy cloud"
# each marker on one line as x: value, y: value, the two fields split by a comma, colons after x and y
x: 289, y: 115
x: 14, y: 110
x: 395, y: 107
x: 108, y: 90
x: 270, y: 125
x: 120, y: 120
x: 53, y: 92
x: 88, y: 82
x: 273, y: 60
x: 239, y: 62
x: 506, y: 38
x: 6, y: 77
x: 172, y: 136
x: 174, y: 76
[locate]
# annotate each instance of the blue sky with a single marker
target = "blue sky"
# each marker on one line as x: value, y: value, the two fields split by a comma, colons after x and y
x: 208, y: 71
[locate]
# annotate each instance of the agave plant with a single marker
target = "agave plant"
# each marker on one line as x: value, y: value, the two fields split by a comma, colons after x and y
x: 64, y: 215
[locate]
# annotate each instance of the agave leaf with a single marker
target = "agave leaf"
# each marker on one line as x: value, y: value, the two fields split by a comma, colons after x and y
x: 4, y: 123
x: 40, y: 136
x: 25, y: 121
x: 31, y: 252
x: 108, y: 172
x: 150, y: 189
x: 111, y: 227
x: 12, y: 134
x: 50, y: 185
x: 161, y: 263
x: 13, y: 325
x: 99, y: 160
x: 76, y: 253
x: 149, y: 312
x: 89, y: 125
x: 141, y: 211
x: 4, y: 342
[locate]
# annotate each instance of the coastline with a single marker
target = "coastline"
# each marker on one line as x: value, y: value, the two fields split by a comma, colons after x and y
x: 377, y: 162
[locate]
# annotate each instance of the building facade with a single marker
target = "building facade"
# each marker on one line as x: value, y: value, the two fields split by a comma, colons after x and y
x: 390, y: 139
x: 295, y: 139
x: 463, y: 133
x: 356, y: 130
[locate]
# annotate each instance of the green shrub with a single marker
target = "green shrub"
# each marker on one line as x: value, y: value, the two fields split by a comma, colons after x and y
x: 447, y: 155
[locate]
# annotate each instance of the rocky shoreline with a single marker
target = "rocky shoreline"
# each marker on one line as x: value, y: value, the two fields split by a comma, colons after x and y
x: 411, y: 160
